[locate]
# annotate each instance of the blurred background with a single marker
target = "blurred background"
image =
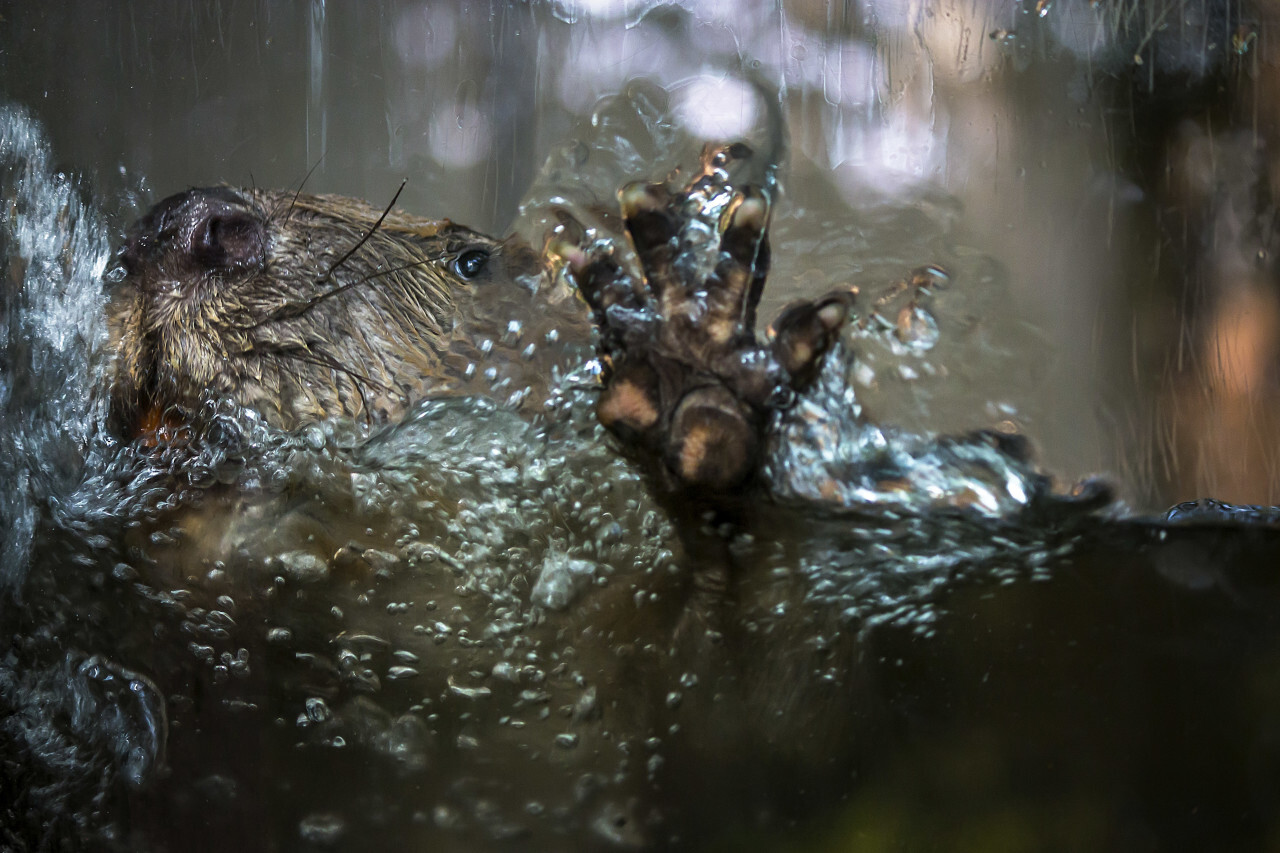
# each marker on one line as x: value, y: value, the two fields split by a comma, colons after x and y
x: 1096, y: 177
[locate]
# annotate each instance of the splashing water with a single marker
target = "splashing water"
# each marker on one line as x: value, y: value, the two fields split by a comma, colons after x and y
x: 472, y: 628
x: 54, y: 250
x: 402, y: 607
x: 913, y: 335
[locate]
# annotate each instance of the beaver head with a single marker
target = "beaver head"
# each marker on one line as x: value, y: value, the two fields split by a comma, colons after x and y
x: 305, y: 307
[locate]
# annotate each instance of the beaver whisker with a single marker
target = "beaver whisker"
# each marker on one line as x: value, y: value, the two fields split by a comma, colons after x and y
x: 297, y: 194
x: 358, y: 380
x: 323, y: 359
x: 289, y: 311
x: 386, y: 211
x: 292, y: 310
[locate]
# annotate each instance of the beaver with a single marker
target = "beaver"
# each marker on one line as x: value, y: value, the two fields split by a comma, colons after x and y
x: 408, y: 682
x: 307, y: 307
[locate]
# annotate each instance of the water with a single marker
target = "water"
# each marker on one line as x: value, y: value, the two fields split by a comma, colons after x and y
x: 55, y: 253
x: 407, y: 594
x: 477, y: 628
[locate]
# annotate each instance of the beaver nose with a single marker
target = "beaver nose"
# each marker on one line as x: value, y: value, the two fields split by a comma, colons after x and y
x: 225, y: 238
x: 212, y: 229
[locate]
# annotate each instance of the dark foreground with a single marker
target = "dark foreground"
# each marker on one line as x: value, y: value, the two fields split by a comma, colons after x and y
x: 1101, y: 685
x: 1127, y: 703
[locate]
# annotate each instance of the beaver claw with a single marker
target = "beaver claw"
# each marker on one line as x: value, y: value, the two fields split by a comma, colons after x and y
x: 687, y: 382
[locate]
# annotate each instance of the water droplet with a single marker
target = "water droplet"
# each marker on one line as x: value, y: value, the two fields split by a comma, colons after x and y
x: 480, y: 692
x: 317, y: 710
x: 586, y: 707
x: 301, y: 566
x: 322, y: 828
x: 561, y: 579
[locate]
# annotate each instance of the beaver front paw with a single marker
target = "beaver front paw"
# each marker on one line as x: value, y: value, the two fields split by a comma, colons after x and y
x: 688, y: 385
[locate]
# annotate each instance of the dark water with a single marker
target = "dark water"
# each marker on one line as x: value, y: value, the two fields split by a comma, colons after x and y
x: 474, y: 629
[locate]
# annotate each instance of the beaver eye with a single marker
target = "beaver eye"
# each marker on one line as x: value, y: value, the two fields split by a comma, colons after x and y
x: 470, y: 263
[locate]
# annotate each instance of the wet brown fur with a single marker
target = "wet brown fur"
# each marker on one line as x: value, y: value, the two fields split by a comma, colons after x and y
x: 306, y: 307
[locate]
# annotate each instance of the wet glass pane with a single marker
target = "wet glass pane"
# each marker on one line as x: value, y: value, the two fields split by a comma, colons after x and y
x: 265, y: 587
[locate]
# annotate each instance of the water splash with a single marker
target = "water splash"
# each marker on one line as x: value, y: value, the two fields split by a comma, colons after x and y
x: 822, y: 450
x: 426, y: 593
x: 53, y: 248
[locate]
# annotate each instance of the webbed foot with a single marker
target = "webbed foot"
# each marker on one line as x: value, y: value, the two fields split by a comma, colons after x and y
x: 688, y: 384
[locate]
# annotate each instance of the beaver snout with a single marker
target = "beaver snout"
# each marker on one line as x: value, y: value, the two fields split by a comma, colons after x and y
x: 227, y: 238
x: 208, y: 229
